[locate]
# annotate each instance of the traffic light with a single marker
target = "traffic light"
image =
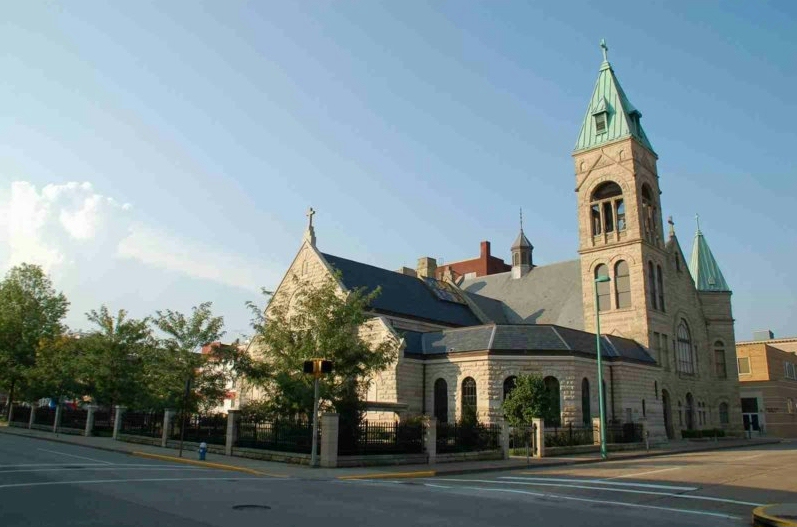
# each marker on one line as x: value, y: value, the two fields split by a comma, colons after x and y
x: 317, y: 367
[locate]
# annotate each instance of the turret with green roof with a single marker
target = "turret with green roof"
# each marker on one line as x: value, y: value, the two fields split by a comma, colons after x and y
x: 704, y: 268
x: 610, y: 115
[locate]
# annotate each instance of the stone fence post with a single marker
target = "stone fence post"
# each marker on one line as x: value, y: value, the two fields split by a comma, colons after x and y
x: 596, y: 430
x: 57, y: 420
x: 117, y: 422
x: 329, y: 440
x: 32, y: 414
x: 431, y: 440
x: 505, y: 438
x: 539, y: 436
x: 168, y: 417
x: 90, y: 420
x: 232, y: 429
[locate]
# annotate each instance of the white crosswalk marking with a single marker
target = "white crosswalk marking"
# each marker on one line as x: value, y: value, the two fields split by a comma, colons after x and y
x: 603, y: 482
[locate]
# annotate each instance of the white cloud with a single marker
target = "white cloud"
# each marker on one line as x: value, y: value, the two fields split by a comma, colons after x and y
x: 159, y: 249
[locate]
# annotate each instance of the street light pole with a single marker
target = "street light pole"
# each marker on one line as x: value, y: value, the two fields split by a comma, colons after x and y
x: 314, y: 449
x: 601, y: 404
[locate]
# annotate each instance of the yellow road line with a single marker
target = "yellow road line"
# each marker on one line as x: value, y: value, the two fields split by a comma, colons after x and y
x: 762, y: 519
x: 206, y: 464
x: 392, y: 475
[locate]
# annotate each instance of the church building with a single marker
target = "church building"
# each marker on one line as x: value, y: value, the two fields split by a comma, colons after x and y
x: 667, y: 331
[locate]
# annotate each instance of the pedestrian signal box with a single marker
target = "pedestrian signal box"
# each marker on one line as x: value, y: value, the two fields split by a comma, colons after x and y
x: 317, y: 367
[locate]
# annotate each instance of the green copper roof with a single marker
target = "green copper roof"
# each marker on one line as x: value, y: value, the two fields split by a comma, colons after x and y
x: 622, y: 118
x: 704, y: 268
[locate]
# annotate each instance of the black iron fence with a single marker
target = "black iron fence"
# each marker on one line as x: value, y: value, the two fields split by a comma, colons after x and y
x: 207, y: 428
x: 522, y: 440
x: 149, y: 424
x: 374, y: 438
x: 624, y: 433
x: 459, y: 437
x: 74, y: 418
x: 44, y: 416
x: 21, y: 414
x: 283, y: 436
x: 569, y: 435
x: 103, y: 423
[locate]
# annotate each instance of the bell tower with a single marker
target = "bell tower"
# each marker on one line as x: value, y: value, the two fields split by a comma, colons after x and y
x: 619, y: 214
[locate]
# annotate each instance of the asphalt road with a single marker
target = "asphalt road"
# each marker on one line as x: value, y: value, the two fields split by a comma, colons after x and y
x: 44, y: 483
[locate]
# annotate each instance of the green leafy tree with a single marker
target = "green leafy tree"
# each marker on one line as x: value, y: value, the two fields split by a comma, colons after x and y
x: 529, y: 399
x: 115, y: 358
x: 58, y: 371
x: 318, y: 321
x: 178, y: 358
x: 31, y: 311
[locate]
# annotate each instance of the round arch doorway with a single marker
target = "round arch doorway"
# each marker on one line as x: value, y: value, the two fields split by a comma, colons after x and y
x: 665, y: 403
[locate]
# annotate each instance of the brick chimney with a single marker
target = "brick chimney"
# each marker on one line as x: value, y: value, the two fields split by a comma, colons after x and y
x: 426, y: 267
x: 485, y: 250
x: 407, y: 271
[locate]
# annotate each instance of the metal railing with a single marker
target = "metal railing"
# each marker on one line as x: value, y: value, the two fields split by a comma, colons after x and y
x: 624, y: 433
x: 44, y: 416
x: 208, y: 428
x: 569, y: 435
x: 522, y: 440
x: 459, y: 437
x: 282, y: 436
x: 74, y: 418
x: 149, y: 424
x: 374, y: 438
x: 21, y: 414
x: 103, y: 423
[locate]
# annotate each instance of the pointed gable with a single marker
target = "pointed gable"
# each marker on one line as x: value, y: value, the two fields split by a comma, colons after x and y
x: 704, y: 268
x: 610, y: 115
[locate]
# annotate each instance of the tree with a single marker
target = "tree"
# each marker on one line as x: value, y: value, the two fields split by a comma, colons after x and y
x: 529, y: 399
x: 59, y: 369
x: 178, y: 359
x: 318, y: 321
x: 31, y: 311
x: 115, y: 358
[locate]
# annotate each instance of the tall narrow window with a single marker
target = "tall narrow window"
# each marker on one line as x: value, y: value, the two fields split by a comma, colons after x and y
x: 719, y: 360
x: 665, y: 351
x: 468, y: 399
x: 655, y: 346
x: 441, y: 400
x: 509, y: 385
x: 724, y: 414
x: 552, y: 387
x: 652, y: 286
x: 604, y: 290
x: 660, y: 287
x: 685, y: 358
x: 649, y: 228
x: 656, y: 389
x: 586, y: 414
x: 607, y: 211
x: 622, y: 284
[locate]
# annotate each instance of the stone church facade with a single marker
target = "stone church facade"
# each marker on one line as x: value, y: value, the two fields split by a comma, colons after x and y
x: 667, y: 331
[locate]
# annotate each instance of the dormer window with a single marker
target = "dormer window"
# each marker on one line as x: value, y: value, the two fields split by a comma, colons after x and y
x: 600, y: 123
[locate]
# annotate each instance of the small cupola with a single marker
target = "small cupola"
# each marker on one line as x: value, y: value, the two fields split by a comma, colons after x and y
x: 521, y: 253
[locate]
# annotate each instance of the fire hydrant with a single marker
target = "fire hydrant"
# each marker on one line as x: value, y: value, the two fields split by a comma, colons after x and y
x: 203, y: 450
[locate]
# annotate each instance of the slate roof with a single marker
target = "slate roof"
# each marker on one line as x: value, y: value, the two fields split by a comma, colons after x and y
x: 402, y: 295
x: 526, y: 338
x: 548, y: 294
x: 704, y: 268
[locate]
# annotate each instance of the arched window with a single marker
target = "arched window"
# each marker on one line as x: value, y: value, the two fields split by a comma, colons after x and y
x: 604, y: 291
x: 622, y: 284
x: 586, y: 415
x: 686, y: 362
x: 652, y: 286
x: 660, y: 287
x: 509, y: 385
x: 607, y: 209
x: 649, y: 215
x: 441, y: 400
x: 469, y: 399
x: 724, y: 414
x: 719, y: 360
x: 552, y: 387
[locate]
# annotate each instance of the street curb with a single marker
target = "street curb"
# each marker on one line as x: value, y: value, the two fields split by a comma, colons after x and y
x: 57, y: 439
x: 392, y: 475
x: 762, y: 519
x: 205, y: 464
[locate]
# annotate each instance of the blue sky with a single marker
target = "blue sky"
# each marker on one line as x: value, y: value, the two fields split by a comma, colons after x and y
x: 197, y: 134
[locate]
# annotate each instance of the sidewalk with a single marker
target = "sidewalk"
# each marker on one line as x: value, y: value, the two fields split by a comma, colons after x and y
x: 269, y: 468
